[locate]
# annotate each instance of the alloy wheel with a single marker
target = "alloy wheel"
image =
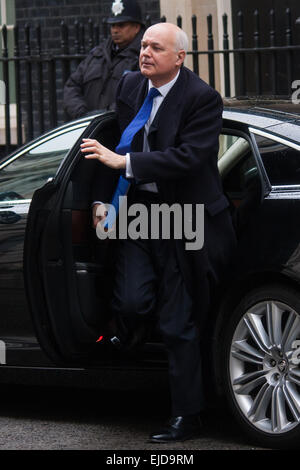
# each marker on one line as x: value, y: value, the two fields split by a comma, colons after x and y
x: 264, y: 366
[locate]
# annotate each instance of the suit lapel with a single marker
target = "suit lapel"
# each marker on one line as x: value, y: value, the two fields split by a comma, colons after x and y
x: 137, y: 96
x: 136, y: 99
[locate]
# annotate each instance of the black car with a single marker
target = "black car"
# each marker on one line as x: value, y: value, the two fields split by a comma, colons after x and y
x: 58, y: 321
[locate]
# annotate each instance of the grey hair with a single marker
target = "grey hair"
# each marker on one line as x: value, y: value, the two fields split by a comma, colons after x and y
x: 182, y: 41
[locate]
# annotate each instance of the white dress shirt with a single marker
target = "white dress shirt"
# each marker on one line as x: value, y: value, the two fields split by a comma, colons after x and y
x: 157, y: 101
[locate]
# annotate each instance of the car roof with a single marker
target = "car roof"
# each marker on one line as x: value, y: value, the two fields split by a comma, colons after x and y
x: 280, y: 117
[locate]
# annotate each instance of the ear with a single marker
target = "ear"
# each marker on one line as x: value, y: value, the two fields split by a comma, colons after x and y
x: 180, y: 57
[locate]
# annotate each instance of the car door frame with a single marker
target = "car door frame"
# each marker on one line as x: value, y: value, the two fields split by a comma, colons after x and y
x: 16, y: 323
x: 45, y: 209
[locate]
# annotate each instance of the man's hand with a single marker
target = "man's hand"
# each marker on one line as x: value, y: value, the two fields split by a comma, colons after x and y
x: 97, y: 151
x: 102, y: 213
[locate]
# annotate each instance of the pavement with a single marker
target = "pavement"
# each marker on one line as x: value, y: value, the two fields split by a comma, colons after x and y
x: 40, y: 418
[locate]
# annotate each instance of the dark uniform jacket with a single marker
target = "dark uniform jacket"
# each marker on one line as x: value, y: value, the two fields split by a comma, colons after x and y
x: 93, y: 84
x: 184, y: 142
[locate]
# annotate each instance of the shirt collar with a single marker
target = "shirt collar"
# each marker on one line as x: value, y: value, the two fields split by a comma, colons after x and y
x: 164, y: 89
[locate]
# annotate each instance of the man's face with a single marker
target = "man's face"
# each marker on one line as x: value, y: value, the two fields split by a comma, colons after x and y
x: 124, y: 33
x: 159, y: 59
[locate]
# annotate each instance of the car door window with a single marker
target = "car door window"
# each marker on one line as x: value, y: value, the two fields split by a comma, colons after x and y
x: 20, y: 178
x: 281, y: 162
x: 240, y: 175
x: 237, y: 164
x: 241, y: 178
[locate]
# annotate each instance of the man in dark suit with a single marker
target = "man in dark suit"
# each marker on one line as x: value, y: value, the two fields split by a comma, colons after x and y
x: 173, y: 159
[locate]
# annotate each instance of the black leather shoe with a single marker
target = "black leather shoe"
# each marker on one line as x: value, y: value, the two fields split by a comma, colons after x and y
x: 179, y: 428
x: 133, y: 341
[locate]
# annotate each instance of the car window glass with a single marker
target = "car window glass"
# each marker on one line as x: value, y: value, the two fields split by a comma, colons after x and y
x: 238, y: 168
x: 20, y: 178
x: 282, y: 163
x: 61, y: 143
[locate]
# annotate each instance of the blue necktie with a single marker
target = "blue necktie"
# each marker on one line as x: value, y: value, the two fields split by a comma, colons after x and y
x: 124, y: 147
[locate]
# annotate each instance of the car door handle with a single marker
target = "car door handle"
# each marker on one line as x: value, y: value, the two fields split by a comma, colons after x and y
x: 9, y: 217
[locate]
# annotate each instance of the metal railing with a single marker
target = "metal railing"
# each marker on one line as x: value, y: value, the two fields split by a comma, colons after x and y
x: 248, y: 61
x: 39, y: 75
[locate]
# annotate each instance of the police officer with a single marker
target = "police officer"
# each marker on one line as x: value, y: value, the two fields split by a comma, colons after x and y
x: 93, y: 85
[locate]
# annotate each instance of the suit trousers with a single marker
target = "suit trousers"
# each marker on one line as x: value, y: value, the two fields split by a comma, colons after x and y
x: 148, y: 283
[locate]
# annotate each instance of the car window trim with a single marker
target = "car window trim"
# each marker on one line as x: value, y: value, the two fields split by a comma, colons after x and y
x: 270, y: 136
x: 284, y: 192
x: 284, y: 187
x: 42, y: 141
x: 15, y: 202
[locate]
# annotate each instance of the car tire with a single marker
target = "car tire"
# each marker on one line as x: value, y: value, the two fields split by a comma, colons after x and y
x: 262, y: 365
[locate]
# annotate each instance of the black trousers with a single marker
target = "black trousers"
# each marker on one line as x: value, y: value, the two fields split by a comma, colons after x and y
x: 148, y: 282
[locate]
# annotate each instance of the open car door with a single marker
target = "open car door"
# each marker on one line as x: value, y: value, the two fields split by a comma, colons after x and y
x: 67, y: 269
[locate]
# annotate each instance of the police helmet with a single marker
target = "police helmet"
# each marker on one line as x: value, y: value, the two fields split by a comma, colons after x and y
x: 125, y: 10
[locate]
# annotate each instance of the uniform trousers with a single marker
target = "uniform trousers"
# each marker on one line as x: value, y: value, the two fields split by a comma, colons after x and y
x: 148, y: 283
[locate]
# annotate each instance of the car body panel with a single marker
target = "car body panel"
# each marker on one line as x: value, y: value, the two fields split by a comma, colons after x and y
x: 261, y: 248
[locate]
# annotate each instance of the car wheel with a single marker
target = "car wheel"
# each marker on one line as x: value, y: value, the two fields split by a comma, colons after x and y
x: 262, y: 365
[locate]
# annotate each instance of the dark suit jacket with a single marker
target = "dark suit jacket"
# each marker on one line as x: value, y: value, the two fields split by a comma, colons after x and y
x: 184, y: 142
